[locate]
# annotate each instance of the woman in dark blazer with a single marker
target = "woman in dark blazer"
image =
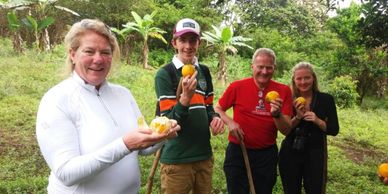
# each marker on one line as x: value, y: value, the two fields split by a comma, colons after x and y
x: 303, y: 153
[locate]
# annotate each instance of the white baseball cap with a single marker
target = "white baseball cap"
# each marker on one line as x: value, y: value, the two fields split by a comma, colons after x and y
x: 186, y: 25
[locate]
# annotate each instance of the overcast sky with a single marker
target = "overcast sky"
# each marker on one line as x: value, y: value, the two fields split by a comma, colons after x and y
x: 343, y: 4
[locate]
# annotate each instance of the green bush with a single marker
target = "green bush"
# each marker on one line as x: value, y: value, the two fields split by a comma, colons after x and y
x: 371, y: 102
x: 344, y: 91
x: 157, y: 58
x: 237, y: 67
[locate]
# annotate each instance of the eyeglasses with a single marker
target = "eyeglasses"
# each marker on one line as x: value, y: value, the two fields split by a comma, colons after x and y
x: 260, y: 105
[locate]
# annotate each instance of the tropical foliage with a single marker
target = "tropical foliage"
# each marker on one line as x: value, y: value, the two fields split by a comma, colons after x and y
x: 14, y: 26
x: 224, y: 40
x: 348, y: 49
x: 145, y: 27
x: 354, y: 154
x: 36, y: 19
x: 373, y: 26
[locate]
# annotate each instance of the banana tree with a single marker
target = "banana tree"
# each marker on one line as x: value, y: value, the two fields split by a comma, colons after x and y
x: 223, y: 41
x: 36, y: 26
x: 123, y: 37
x: 38, y: 18
x: 145, y: 28
x: 14, y: 25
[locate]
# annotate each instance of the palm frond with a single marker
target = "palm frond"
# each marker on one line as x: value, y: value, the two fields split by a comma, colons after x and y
x: 158, y: 36
x: 242, y: 45
x: 137, y: 17
x: 217, y: 30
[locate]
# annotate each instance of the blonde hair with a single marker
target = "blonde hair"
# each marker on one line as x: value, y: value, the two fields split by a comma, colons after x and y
x: 73, y: 37
x: 308, y: 66
x: 264, y: 51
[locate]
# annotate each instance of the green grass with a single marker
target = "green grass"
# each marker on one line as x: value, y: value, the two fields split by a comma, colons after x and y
x: 353, y: 155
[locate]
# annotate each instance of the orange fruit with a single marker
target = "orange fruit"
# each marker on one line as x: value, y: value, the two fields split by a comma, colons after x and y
x: 272, y: 95
x: 188, y: 70
x: 300, y: 100
x: 160, y: 125
x: 383, y: 170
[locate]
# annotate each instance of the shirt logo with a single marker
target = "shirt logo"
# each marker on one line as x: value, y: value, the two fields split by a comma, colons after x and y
x: 202, y: 84
x: 260, y: 108
x: 260, y: 105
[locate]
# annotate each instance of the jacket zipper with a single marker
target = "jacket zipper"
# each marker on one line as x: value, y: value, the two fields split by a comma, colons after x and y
x: 107, y: 110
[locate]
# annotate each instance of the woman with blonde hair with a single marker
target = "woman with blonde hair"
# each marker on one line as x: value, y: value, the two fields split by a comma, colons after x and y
x: 86, y: 127
x: 303, y: 153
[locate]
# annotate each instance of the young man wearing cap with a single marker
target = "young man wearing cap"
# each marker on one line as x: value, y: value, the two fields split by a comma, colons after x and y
x: 187, y: 161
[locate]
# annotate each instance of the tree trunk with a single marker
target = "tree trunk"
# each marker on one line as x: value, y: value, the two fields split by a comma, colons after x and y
x: 46, y: 40
x: 17, y: 42
x: 145, y: 54
x: 124, y: 46
x: 37, y: 41
x: 381, y: 87
x: 222, y: 74
x: 363, y: 85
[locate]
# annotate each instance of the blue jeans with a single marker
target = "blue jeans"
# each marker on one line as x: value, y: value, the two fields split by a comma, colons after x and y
x: 263, y: 164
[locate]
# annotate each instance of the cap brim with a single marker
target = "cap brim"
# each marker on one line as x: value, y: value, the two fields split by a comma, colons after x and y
x: 180, y: 33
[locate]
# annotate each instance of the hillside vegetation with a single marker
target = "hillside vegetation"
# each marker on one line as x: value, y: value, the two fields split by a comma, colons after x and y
x: 353, y: 155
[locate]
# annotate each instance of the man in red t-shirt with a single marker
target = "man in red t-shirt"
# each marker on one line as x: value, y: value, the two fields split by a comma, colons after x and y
x: 256, y: 122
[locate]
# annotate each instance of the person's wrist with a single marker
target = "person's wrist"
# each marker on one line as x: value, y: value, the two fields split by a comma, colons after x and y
x: 276, y: 115
x: 129, y: 147
x: 184, y: 100
x: 298, y: 118
x: 216, y: 115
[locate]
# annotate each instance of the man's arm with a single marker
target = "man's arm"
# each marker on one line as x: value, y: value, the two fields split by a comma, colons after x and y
x: 233, y: 126
x: 282, y: 122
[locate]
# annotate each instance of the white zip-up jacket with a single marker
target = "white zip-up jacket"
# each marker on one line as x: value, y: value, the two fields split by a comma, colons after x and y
x: 79, y: 131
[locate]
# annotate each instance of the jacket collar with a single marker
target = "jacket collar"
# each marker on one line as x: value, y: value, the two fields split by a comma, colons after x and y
x: 87, y: 86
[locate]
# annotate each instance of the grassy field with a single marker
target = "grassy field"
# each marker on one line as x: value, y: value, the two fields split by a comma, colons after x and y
x: 353, y: 155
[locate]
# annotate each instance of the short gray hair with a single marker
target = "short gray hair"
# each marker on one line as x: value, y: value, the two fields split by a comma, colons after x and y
x: 264, y: 51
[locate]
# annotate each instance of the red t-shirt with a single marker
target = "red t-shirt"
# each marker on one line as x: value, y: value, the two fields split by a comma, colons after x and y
x: 253, y: 116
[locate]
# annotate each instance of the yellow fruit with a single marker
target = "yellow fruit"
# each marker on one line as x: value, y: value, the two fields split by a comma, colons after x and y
x: 272, y: 95
x: 300, y: 100
x: 141, y: 122
x: 383, y: 170
x: 160, y: 125
x: 188, y: 70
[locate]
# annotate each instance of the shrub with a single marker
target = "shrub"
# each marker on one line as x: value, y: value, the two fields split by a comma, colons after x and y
x: 343, y: 89
x: 159, y: 57
x: 237, y: 67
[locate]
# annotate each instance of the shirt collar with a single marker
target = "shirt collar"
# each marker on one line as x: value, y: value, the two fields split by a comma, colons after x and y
x: 87, y: 86
x: 178, y: 63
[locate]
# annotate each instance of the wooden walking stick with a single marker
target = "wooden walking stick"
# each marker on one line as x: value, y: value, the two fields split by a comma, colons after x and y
x: 247, y: 165
x: 142, y: 123
x: 150, y: 179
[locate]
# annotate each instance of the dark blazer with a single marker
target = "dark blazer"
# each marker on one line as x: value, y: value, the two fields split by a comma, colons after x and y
x: 324, y: 107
